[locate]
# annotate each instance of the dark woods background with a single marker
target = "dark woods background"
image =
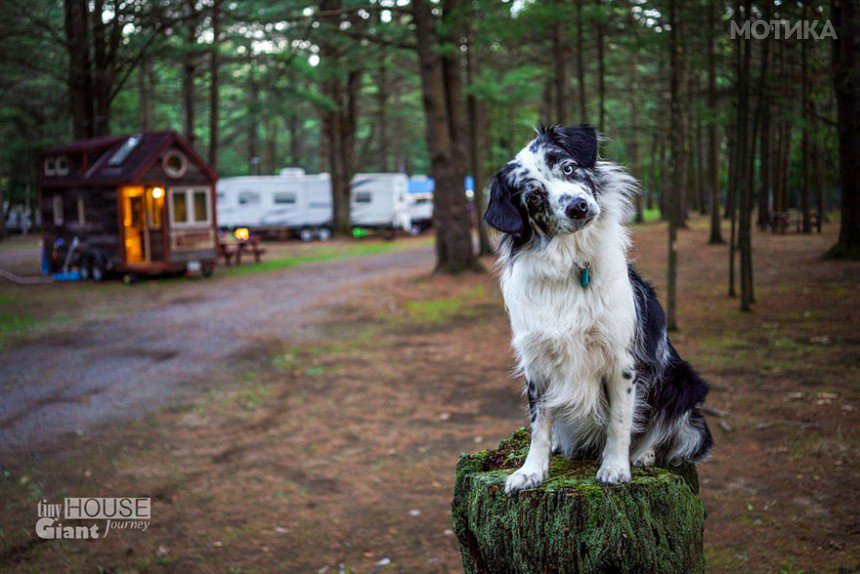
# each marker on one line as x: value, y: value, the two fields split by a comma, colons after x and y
x: 740, y: 129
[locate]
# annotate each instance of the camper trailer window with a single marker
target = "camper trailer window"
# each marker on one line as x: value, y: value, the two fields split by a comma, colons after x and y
x: 201, y: 213
x: 58, y: 210
x: 179, y: 205
x: 363, y: 197
x: 82, y: 211
x: 285, y: 198
x: 249, y: 198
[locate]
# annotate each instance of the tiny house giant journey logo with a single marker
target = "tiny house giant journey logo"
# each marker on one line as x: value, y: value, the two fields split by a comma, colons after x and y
x: 116, y: 513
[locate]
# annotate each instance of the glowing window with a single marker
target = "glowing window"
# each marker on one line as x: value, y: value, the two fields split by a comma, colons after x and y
x: 179, y: 206
x: 201, y: 213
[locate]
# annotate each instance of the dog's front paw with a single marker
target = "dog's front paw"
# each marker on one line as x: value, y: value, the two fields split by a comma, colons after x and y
x: 522, y: 479
x: 647, y: 458
x: 614, y: 472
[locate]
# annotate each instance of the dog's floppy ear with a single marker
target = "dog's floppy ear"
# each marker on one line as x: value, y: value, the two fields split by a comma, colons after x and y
x: 501, y: 212
x: 581, y: 143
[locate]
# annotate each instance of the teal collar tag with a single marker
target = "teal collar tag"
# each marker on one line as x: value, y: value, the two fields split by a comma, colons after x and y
x: 585, y: 276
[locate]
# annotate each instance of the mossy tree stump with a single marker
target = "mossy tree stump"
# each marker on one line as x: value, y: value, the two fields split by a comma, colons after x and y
x: 573, y: 524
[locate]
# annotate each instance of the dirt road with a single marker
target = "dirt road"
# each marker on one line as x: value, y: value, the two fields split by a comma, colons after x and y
x: 111, y: 369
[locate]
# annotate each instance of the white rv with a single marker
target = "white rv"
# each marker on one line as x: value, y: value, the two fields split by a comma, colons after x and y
x: 292, y: 201
x: 379, y: 200
x: 420, y: 197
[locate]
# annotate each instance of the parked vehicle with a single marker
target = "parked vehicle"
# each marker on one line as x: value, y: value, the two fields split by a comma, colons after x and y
x: 420, y: 203
x: 134, y: 205
x: 293, y: 203
x: 380, y: 201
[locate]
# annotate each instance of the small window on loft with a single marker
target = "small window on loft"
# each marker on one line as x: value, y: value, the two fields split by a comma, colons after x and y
x: 82, y: 211
x: 62, y: 165
x: 125, y: 150
x: 57, y: 208
x: 50, y: 166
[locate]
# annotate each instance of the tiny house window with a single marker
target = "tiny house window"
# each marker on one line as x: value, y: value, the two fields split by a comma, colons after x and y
x: 190, y: 205
x: 174, y: 164
x: 62, y: 165
x: 58, y: 210
x: 125, y: 150
x: 249, y: 198
x: 285, y: 198
x: 180, y: 206
x: 363, y: 197
x: 154, y: 206
x: 50, y: 166
x: 82, y: 211
x: 201, y: 213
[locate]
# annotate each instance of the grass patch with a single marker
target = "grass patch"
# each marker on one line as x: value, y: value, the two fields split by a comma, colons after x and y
x: 435, y: 311
x: 322, y: 254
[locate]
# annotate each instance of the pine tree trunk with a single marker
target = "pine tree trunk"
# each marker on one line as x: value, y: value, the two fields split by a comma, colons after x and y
x: 476, y: 113
x: 446, y: 132
x: 580, y: 61
x: 678, y: 137
x: 846, y: 63
x: 716, y: 237
x: 559, y: 76
x: 572, y: 524
x: 214, y: 85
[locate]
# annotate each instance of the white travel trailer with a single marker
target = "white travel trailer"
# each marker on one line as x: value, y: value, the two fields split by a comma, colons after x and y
x: 420, y: 197
x: 380, y: 201
x: 291, y: 202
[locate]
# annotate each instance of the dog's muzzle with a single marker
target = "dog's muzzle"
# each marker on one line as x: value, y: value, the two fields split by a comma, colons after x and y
x: 579, y: 210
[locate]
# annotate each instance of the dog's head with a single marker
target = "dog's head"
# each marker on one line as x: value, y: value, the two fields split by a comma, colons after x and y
x: 552, y: 186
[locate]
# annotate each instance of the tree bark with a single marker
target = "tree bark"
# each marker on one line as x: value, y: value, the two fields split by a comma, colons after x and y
x: 476, y: 112
x: 677, y: 139
x: 559, y: 76
x: 805, y: 174
x: 189, y: 70
x: 446, y: 134
x: 382, y: 106
x: 846, y: 73
x: 144, y: 94
x: 76, y: 14
x: 600, y: 28
x: 656, y: 525
x: 214, y: 85
x: 580, y: 61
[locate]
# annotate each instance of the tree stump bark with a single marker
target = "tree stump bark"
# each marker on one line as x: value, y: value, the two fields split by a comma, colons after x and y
x: 573, y: 524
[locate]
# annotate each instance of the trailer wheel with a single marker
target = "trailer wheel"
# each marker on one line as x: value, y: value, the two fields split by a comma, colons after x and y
x: 96, y: 269
x: 324, y: 234
x: 306, y: 235
x: 86, y: 267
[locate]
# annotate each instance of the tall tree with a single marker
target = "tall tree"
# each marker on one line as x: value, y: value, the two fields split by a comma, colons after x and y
x: 439, y: 62
x: 678, y: 137
x: 215, y: 85
x: 846, y: 78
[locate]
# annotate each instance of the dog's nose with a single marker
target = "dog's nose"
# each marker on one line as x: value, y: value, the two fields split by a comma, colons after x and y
x: 577, y: 209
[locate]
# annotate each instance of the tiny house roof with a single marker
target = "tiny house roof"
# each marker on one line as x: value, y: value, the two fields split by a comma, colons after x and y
x: 116, y: 160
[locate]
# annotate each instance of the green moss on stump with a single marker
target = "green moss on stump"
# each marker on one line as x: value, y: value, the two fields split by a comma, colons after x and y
x: 573, y: 524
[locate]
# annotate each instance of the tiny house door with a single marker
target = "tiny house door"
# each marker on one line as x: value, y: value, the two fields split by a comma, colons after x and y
x: 142, y: 218
x: 134, y: 225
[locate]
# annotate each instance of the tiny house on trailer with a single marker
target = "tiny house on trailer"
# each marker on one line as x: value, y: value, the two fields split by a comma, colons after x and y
x: 292, y: 202
x: 134, y: 205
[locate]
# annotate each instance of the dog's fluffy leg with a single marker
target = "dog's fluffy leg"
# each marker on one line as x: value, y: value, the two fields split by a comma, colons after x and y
x: 615, y: 468
x: 536, y: 468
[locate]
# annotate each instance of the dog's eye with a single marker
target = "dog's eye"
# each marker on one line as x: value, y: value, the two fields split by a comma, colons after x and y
x: 568, y: 169
x: 534, y: 199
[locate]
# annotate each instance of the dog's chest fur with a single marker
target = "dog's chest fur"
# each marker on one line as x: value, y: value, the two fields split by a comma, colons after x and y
x: 568, y: 337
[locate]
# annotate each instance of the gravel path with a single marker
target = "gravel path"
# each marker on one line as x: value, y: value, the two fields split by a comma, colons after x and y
x: 116, y: 369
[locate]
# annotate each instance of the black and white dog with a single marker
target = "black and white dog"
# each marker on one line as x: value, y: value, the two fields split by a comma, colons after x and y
x: 588, y: 332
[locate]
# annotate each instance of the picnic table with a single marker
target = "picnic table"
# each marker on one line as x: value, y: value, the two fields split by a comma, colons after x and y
x: 232, y: 249
x: 782, y: 220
